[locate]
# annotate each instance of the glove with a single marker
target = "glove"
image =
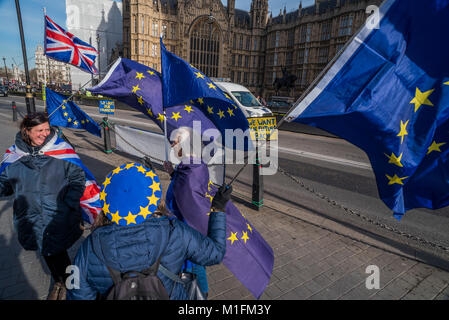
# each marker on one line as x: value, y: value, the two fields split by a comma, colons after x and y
x: 221, y: 198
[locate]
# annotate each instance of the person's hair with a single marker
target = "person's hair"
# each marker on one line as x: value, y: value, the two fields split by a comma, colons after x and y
x: 30, y: 121
x: 186, y: 138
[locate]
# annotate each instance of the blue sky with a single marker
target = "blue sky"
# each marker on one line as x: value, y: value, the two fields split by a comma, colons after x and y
x: 33, y: 24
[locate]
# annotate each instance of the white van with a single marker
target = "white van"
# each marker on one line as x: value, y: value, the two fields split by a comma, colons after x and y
x: 243, y: 98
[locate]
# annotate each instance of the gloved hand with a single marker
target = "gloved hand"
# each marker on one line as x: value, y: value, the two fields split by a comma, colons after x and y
x: 221, y: 198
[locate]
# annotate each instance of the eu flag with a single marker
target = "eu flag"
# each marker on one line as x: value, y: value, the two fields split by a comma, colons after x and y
x: 248, y: 256
x: 182, y: 82
x: 140, y: 87
x: 67, y: 114
x: 388, y: 93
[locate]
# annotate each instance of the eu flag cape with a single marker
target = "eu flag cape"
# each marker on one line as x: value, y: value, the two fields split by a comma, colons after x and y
x: 248, y: 256
x: 388, y: 93
x: 67, y: 114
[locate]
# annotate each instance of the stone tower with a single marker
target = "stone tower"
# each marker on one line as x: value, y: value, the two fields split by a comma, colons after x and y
x: 259, y: 13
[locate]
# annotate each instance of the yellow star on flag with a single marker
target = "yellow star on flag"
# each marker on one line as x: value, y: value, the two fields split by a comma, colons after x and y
x: 395, y: 160
x: 129, y: 166
x: 150, y: 112
x: 140, y: 100
x: 106, y: 208
x: 66, y: 114
x: 210, y: 109
x: 103, y: 195
x: 115, y: 217
x: 63, y: 107
x: 221, y: 114
x: 211, y: 86
x: 227, y: 96
x: 231, y: 112
x: 245, y: 236
x: 151, y: 72
x: 209, y: 196
x: 403, y: 131
x: 447, y: 83
x: 395, y: 180
x: 153, y: 200
x: 69, y: 119
x: 422, y: 98
x: 233, y: 237
x: 75, y: 123
x: 249, y: 228
x: 131, y: 218
x: 199, y: 75
x: 435, y: 147
x: 155, y: 187
x: 150, y: 174
x: 201, y: 100
x: 135, y: 89
x: 141, y: 169
x: 144, y: 212
x: 116, y: 170
x: 176, y: 116
x: 160, y: 117
x: 188, y: 108
x: 139, y: 75
x: 82, y: 121
x: 106, y: 182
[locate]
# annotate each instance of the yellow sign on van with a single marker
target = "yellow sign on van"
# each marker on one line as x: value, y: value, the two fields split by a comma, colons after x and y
x: 262, y: 128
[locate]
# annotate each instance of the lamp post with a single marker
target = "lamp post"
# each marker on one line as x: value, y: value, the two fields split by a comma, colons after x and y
x: 29, y: 99
x: 210, y: 20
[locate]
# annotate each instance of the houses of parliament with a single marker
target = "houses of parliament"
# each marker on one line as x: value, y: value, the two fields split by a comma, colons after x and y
x: 250, y: 48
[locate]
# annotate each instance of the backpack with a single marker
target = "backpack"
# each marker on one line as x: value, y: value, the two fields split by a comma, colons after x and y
x: 135, y: 285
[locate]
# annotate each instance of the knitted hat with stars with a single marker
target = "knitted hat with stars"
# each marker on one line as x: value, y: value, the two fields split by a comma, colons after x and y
x: 130, y: 194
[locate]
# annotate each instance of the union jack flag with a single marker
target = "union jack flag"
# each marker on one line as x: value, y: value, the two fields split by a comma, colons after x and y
x: 65, y: 47
x: 59, y: 149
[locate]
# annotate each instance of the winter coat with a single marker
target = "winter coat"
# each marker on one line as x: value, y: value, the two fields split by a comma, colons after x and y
x: 47, y: 192
x: 138, y: 247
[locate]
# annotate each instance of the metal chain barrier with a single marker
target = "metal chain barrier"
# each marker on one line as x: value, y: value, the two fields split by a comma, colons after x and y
x: 361, y: 216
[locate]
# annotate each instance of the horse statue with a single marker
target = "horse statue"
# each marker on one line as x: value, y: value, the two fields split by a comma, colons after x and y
x: 287, y: 81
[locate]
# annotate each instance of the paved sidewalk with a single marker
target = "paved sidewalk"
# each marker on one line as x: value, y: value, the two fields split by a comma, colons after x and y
x: 312, y: 260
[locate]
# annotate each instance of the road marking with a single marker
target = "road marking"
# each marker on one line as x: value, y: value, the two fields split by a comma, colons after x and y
x: 316, y: 156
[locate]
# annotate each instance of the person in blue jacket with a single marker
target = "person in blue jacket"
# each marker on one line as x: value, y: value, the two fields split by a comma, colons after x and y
x: 47, y: 192
x: 125, y: 241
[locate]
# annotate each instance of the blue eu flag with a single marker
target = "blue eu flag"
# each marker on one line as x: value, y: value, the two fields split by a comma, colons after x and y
x: 388, y: 93
x: 182, y: 82
x: 67, y: 114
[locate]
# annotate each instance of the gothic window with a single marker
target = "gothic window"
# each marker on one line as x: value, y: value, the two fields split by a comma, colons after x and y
x: 248, y: 42
x: 289, y: 59
x: 255, y: 44
x: 326, y: 30
x: 345, y: 25
x: 275, y: 60
x: 164, y: 31
x: 323, y: 55
x: 142, y: 23
x: 241, y: 42
x: 136, y: 26
x: 205, y: 48
x: 278, y: 36
x: 291, y: 38
x: 155, y: 30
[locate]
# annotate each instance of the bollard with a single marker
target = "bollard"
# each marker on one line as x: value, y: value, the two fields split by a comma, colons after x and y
x: 257, y: 192
x: 14, y: 111
x: 107, y: 136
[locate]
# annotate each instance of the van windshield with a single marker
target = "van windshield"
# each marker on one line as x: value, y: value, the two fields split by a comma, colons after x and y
x: 246, y: 98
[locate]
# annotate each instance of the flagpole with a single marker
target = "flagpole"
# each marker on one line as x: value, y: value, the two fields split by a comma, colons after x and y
x: 71, y: 96
x: 166, y: 136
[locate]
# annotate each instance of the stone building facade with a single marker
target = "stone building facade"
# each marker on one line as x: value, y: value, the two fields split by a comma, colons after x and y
x: 251, y: 48
x: 59, y: 71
